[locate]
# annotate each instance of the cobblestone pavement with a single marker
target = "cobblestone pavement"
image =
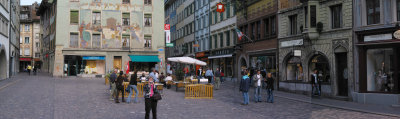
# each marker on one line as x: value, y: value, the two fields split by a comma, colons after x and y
x: 44, y: 97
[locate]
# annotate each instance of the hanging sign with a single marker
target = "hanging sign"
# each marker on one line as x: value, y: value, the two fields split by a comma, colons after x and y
x: 167, y: 37
x: 396, y: 34
x: 220, y: 7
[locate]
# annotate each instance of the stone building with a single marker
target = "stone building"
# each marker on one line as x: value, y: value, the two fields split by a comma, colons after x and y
x: 202, y: 30
x: 316, y: 35
x: 91, y: 37
x: 376, y: 51
x: 257, y: 50
x: 9, y: 37
x: 223, y: 37
x: 29, y: 37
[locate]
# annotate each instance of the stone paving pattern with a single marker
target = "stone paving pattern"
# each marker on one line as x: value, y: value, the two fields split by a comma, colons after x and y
x: 44, y: 97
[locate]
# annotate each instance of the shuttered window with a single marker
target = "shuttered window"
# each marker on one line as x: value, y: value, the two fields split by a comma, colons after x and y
x: 125, y: 19
x: 74, y: 17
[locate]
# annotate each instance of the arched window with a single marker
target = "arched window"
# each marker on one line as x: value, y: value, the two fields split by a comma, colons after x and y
x: 294, y: 69
x: 320, y: 63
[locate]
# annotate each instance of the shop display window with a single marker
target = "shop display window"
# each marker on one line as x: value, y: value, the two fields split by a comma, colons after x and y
x: 320, y: 63
x: 380, y: 70
x: 294, y: 69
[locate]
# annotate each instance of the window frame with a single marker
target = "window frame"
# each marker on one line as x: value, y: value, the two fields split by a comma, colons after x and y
x: 293, y: 24
x: 76, y: 20
x: 336, y: 10
x: 376, y: 15
x: 96, y: 21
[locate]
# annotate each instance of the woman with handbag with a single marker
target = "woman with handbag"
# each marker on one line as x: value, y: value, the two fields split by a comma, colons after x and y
x: 151, y: 98
x: 120, y: 87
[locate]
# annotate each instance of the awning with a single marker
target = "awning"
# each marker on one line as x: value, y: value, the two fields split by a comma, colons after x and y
x: 93, y: 58
x: 219, y: 56
x: 25, y: 59
x: 144, y: 58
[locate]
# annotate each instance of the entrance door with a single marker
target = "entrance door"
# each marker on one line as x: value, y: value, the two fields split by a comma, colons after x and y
x: 72, y: 68
x: 118, y: 62
x: 342, y: 73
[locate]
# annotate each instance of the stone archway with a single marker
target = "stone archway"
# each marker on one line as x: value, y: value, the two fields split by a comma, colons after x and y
x: 3, y: 64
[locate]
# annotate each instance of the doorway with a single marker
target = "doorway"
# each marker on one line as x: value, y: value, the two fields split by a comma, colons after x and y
x: 342, y: 73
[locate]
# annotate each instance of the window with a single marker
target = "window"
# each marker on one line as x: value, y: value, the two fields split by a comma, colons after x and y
x: 125, y: 19
x: 147, y: 20
x: 293, y: 24
x: 26, y: 40
x: 381, y: 70
x: 74, y: 39
x: 306, y: 16
x: 126, y: 1
x: 96, y: 0
x: 273, y: 25
x: 266, y: 27
x: 37, y: 54
x: 215, y: 41
x: 204, y: 21
x: 27, y: 27
x: 221, y: 16
x: 221, y: 40
x: 313, y: 16
x: 336, y: 16
x: 27, y: 52
x: 147, y: 43
x: 96, y: 18
x: 228, y: 38
x: 96, y: 41
x: 258, y: 34
x: 398, y: 9
x: 294, y: 69
x: 373, y: 11
x: 24, y: 16
x: 215, y: 17
x: 125, y: 41
x: 147, y: 2
x: 74, y: 19
x: 228, y: 10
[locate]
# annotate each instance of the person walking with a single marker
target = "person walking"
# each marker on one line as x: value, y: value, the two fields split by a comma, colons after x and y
x: 34, y: 70
x: 222, y: 77
x: 113, y: 90
x: 120, y: 87
x: 315, y: 83
x: 209, y: 75
x: 133, y: 85
x: 29, y: 69
x: 150, y: 103
x: 257, y: 78
x: 244, y: 87
x: 270, y: 88
x: 217, y: 78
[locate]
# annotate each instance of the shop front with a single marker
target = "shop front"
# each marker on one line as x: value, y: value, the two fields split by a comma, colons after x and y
x: 144, y: 63
x: 23, y: 63
x: 203, y: 56
x: 85, y: 66
x: 378, y: 67
x: 223, y: 60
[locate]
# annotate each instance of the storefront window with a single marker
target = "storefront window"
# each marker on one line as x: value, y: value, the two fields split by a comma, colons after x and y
x: 264, y: 63
x: 294, y: 69
x: 380, y: 70
x: 94, y: 66
x: 320, y: 63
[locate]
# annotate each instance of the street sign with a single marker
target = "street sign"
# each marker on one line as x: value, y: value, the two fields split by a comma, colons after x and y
x: 169, y: 45
x: 167, y: 27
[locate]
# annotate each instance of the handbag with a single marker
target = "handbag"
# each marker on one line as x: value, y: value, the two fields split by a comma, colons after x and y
x: 157, y: 96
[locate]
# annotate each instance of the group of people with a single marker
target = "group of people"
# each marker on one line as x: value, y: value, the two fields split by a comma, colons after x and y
x: 149, y: 90
x: 216, y: 77
x: 30, y: 68
x: 257, y: 80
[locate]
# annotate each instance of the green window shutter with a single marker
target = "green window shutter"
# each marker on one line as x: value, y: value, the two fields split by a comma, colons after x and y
x: 126, y: 15
x: 228, y: 38
x: 221, y: 40
x: 228, y: 10
x: 215, y: 41
x: 74, y: 16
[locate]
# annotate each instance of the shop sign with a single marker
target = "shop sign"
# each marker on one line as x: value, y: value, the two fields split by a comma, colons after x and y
x: 93, y: 58
x: 169, y: 45
x: 292, y: 43
x: 397, y: 34
x: 25, y: 59
x: 222, y: 52
x: 200, y: 54
x: 297, y: 53
x: 377, y: 37
x: 167, y: 37
x: 196, y: 45
x: 220, y: 7
x: 167, y: 27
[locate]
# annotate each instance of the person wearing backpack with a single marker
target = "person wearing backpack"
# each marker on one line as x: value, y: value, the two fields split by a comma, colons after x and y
x: 244, y: 87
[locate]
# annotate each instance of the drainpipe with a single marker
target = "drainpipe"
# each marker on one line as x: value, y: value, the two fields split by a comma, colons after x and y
x: 9, y: 39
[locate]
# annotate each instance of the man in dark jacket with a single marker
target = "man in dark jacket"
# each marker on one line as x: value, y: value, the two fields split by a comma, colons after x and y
x: 244, y: 87
x: 113, y: 91
x: 120, y: 87
x: 315, y: 83
x: 270, y: 88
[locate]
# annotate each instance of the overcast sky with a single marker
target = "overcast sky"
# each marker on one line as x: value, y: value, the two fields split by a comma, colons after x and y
x: 29, y: 2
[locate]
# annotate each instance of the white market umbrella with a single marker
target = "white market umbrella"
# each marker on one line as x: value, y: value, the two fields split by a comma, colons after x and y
x: 187, y: 60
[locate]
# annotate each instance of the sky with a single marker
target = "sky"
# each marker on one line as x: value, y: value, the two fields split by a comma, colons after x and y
x: 29, y: 2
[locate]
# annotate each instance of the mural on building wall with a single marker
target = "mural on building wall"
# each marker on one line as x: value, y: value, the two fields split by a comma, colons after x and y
x: 111, y: 28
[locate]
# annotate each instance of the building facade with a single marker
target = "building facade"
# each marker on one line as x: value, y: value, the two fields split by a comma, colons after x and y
x: 89, y: 38
x: 202, y: 30
x: 9, y: 33
x: 223, y: 37
x: 376, y: 46
x: 316, y: 35
x: 257, y: 50
x: 29, y: 37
